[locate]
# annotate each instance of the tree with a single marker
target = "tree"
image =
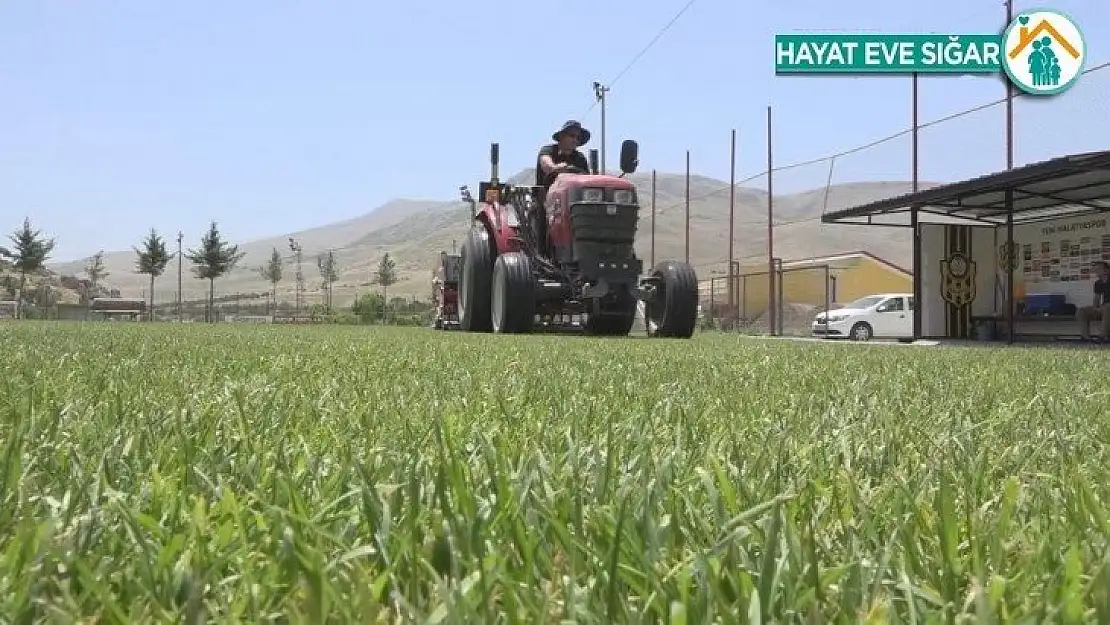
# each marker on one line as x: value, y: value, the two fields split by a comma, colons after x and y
x: 326, y: 264
x: 368, y: 308
x: 386, y: 276
x: 152, y: 260
x: 10, y: 286
x: 28, y: 255
x: 96, y: 271
x: 213, y: 259
x: 272, y: 271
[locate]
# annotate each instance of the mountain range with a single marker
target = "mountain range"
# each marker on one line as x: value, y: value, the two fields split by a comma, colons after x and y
x: 414, y: 232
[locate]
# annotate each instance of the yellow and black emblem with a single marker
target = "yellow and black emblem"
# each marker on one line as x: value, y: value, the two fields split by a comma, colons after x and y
x: 1007, y: 256
x: 957, y: 279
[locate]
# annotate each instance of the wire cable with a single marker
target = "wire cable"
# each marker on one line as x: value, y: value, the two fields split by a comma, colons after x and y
x: 860, y: 148
x: 642, y: 52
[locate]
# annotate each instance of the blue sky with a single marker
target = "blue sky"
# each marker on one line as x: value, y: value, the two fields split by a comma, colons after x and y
x: 270, y: 116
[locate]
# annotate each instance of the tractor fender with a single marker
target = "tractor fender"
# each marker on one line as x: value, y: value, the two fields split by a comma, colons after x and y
x: 501, y: 233
x: 483, y: 220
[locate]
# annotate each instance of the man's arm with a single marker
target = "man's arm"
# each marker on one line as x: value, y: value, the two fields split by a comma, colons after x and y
x: 546, y: 163
x: 580, y: 161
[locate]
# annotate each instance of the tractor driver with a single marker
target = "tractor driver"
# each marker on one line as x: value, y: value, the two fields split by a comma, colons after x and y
x: 555, y: 158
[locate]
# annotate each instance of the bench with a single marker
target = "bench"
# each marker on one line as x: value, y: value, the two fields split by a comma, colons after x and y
x: 1056, y: 327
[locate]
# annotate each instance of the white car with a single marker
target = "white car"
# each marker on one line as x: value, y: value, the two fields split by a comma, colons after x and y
x: 885, y: 315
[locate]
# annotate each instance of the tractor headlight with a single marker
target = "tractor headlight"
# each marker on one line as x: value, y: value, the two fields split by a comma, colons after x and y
x: 623, y: 196
x: 592, y: 195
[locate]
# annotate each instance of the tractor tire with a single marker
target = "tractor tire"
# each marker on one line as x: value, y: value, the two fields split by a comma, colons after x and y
x: 513, y: 306
x: 476, y: 282
x: 674, y: 312
x: 617, y: 321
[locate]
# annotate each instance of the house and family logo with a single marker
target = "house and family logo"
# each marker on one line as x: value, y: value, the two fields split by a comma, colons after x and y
x: 1042, y: 52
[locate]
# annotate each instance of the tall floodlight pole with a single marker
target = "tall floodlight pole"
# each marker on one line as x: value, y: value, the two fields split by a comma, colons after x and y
x: 599, y: 92
x: 180, y: 303
x: 297, y: 256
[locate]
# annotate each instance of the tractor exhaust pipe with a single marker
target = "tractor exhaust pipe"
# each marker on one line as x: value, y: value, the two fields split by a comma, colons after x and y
x: 494, y: 161
x: 593, y: 162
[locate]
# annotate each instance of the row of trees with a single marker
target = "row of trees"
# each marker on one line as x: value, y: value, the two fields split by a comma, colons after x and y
x: 213, y: 259
x: 274, y: 270
x: 29, y: 251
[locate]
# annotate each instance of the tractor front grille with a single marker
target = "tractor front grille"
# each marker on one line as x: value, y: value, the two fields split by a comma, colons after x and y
x: 604, y: 231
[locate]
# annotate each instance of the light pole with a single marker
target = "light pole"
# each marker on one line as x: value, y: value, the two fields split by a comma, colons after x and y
x: 296, y: 249
x: 180, y: 236
x: 599, y: 92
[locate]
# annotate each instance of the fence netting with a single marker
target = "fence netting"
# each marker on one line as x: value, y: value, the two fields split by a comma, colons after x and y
x: 954, y: 146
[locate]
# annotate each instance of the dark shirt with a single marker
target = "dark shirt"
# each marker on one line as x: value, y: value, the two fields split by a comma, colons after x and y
x: 575, y: 158
x: 1102, y: 290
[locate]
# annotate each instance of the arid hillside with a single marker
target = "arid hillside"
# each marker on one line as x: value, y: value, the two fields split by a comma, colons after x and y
x: 414, y: 232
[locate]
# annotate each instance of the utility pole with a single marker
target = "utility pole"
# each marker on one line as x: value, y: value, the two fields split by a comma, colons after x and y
x: 180, y: 303
x: 687, y: 206
x: 1009, y: 99
x: 732, y: 226
x: 599, y: 92
x: 772, y: 307
x: 652, y: 263
x: 915, y: 225
x: 296, y: 249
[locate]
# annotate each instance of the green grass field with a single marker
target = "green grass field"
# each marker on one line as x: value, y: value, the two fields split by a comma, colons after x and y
x: 335, y: 474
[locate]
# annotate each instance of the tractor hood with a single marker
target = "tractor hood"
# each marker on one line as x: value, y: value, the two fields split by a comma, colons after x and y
x: 576, y: 181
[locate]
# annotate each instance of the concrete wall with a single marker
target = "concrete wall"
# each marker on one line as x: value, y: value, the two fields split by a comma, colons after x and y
x: 848, y: 279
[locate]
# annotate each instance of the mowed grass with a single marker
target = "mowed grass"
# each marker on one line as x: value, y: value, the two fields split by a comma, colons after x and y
x: 344, y: 474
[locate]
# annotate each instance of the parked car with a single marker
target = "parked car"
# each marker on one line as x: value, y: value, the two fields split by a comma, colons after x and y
x: 885, y: 315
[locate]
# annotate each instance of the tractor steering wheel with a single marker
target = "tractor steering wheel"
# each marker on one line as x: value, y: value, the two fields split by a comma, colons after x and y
x: 567, y: 168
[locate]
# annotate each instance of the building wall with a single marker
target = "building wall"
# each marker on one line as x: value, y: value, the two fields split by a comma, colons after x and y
x: 72, y: 312
x: 867, y: 277
x: 1045, y: 266
x: 854, y: 278
x: 940, y: 317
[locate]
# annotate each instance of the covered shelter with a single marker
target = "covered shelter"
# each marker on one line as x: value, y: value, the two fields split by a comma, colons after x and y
x: 111, y: 308
x: 1011, y: 250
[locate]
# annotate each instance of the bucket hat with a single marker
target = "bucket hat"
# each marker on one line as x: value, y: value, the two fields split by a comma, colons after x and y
x: 573, y: 125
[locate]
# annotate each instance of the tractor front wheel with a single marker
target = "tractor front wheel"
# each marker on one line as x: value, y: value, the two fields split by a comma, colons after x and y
x: 476, y: 258
x: 617, y: 319
x: 513, y: 309
x: 673, y: 312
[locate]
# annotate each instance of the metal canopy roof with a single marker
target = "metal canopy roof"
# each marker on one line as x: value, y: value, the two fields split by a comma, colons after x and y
x: 1066, y: 186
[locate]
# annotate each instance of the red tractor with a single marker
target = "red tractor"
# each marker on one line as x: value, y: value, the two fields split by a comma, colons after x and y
x: 445, y: 292
x: 533, y: 259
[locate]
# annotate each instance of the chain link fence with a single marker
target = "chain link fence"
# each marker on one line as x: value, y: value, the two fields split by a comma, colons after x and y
x: 803, y: 191
x: 798, y: 294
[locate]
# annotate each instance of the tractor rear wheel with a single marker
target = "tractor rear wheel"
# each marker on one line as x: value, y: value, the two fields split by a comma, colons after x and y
x: 475, y: 283
x: 617, y: 320
x: 673, y: 312
x: 513, y: 309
